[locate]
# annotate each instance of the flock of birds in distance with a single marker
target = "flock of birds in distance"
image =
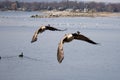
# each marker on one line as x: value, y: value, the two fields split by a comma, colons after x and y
x: 66, y: 38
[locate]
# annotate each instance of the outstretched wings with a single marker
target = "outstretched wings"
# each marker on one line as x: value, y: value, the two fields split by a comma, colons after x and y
x: 60, y: 52
x: 42, y: 29
x: 34, y: 38
x: 53, y: 29
x: 83, y: 38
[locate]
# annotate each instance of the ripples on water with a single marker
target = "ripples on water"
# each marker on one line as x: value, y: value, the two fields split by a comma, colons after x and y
x: 82, y: 61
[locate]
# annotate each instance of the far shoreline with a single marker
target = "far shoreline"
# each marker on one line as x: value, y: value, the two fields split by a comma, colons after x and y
x: 57, y: 14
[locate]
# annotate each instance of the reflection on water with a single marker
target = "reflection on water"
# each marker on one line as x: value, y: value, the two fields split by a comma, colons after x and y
x: 24, y: 57
x: 82, y: 61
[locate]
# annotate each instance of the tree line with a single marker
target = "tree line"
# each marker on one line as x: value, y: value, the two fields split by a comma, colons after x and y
x: 63, y: 5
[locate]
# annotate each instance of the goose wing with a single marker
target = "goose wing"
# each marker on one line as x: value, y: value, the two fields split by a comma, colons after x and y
x: 53, y: 29
x: 60, y: 51
x: 83, y: 38
x: 34, y: 38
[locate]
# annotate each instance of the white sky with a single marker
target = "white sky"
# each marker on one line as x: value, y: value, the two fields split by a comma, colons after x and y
x: 113, y: 1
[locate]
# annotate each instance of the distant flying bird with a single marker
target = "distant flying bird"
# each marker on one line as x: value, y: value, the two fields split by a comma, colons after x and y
x: 42, y: 29
x: 69, y: 38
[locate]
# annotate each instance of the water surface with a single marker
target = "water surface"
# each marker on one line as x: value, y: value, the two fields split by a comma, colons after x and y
x: 82, y: 61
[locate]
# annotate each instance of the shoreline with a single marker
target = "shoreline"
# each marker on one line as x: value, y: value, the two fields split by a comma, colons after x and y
x: 56, y: 14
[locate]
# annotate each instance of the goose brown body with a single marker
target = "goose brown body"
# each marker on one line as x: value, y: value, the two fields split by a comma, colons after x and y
x: 42, y: 29
x: 69, y: 38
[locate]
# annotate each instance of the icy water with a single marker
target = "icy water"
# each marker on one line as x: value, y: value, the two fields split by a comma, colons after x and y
x: 83, y: 61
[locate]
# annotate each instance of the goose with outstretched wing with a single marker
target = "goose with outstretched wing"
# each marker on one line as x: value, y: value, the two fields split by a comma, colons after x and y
x: 42, y: 29
x: 69, y: 38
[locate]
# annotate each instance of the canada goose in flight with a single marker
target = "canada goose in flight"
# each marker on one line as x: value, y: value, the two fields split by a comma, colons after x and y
x: 69, y: 38
x: 42, y: 29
